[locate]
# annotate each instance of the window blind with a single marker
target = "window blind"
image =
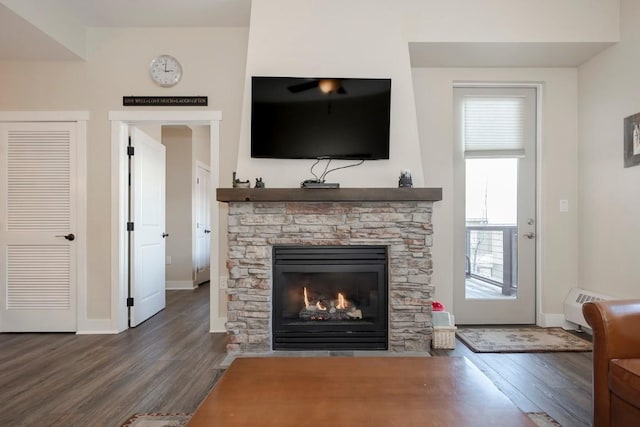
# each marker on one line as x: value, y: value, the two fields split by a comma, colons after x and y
x: 493, y: 126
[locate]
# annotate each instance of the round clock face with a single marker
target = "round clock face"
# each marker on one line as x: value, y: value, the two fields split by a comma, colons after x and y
x: 165, y: 71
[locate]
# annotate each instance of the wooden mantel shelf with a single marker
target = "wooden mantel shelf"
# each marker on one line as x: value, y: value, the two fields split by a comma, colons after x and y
x: 328, y: 194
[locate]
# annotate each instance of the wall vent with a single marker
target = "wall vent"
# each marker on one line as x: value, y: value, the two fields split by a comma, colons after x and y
x: 574, y: 301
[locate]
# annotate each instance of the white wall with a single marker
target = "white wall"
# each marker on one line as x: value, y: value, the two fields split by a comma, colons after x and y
x: 512, y: 20
x: 333, y: 38
x: 201, y: 147
x: 179, y: 164
x: 558, y: 232
x: 368, y: 38
x: 609, y: 193
x: 364, y: 38
x: 213, y: 60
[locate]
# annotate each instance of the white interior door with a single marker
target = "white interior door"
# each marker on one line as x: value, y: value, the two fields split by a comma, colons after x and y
x: 38, y: 216
x: 147, y: 255
x: 495, y: 205
x: 203, y: 224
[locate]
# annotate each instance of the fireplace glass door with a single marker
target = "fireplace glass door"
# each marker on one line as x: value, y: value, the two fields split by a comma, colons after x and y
x: 330, y: 297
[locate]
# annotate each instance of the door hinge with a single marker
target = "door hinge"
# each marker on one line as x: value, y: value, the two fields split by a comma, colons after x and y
x: 197, y: 180
x: 130, y: 150
x: 129, y: 302
x: 130, y: 226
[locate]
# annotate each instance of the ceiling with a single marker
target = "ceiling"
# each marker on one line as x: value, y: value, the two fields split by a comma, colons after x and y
x: 482, y: 54
x: 22, y: 40
x: 159, y: 13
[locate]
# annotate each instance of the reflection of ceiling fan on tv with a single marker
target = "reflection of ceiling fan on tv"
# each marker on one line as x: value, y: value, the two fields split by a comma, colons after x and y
x: 325, y: 85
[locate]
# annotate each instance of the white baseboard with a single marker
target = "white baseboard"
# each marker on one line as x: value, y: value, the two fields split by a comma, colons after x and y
x: 218, y: 325
x: 176, y: 285
x: 96, y: 327
x: 552, y: 320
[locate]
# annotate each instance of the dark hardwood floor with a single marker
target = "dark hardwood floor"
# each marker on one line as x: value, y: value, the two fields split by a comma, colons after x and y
x: 556, y: 383
x: 169, y: 364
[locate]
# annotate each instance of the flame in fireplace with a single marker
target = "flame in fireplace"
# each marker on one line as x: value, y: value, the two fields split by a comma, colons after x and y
x: 342, y: 302
x: 307, y: 303
x: 306, y: 298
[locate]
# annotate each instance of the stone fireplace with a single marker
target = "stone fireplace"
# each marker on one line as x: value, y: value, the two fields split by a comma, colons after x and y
x: 397, y: 219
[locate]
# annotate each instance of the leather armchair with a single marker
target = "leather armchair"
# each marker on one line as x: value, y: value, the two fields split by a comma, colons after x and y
x: 616, y: 361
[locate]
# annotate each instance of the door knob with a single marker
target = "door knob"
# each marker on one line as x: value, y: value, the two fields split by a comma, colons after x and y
x: 165, y: 235
x: 70, y: 237
x: 529, y: 235
x: 207, y: 231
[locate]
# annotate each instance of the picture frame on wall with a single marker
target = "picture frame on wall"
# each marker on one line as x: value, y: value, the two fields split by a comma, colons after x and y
x: 632, y: 140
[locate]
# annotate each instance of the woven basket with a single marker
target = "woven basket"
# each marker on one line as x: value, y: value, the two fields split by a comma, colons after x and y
x: 444, y: 337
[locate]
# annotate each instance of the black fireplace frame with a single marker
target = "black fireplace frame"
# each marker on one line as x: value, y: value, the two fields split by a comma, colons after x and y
x: 333, y: 335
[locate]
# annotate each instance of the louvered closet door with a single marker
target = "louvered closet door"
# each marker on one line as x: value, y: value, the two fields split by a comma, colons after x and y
x: 38, y: 263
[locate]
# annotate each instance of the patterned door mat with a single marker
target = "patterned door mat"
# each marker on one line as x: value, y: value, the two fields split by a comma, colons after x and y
x: 520, y: 340
x: 542, y: 419
x: 153, y: 419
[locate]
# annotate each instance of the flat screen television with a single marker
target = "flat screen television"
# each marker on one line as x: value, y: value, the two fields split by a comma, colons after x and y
x: 312, y: 118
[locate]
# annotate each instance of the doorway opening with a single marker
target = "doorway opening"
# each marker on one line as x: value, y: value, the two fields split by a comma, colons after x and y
x: 120, y: 123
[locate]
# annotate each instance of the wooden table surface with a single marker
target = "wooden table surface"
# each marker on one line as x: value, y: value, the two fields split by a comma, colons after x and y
x: 356, y: 391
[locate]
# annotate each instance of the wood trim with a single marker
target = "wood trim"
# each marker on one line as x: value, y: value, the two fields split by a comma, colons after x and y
x: 167, y: 117
x: 328, y: 194
x: 44, y: 116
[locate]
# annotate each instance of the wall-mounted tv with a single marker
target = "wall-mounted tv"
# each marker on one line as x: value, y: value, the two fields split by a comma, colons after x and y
x: 312, y: 118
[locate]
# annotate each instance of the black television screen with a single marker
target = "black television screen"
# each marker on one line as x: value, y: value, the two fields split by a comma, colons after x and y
x: 311, y: 118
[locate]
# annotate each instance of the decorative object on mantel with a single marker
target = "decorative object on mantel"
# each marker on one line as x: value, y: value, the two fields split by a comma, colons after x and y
x: 632, y: 140
x: 405, y: 179
x: 259, y: 183
x: 240, y: 184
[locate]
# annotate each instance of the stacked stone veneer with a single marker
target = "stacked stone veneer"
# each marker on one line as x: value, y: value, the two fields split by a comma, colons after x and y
x: 255, y: 227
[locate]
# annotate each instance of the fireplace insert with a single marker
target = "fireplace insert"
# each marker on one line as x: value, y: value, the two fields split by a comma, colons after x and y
x: 330, y: 297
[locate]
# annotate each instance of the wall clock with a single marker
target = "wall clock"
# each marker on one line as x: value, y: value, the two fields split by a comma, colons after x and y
x: 165, y: 70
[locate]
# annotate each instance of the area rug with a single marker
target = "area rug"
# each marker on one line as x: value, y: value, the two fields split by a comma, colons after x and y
x: 158, y: 420
x: 520, y: 340
x: 542, y: 419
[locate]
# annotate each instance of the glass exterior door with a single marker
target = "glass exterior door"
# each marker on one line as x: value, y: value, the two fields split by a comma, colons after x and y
x: 495, y: 236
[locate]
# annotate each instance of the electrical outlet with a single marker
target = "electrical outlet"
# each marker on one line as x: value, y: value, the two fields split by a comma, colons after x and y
x: 564, y: 205
x: 167, y: 260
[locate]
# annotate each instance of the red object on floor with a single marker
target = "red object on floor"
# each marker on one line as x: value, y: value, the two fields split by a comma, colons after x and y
x: 437, y: 306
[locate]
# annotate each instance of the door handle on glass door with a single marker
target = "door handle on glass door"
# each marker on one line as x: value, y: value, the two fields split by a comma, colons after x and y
x: 529, y: 235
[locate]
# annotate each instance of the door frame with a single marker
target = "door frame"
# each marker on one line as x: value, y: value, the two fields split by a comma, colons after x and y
x: 80, y: 118
x: 459, y: 195
x: 120, y: 121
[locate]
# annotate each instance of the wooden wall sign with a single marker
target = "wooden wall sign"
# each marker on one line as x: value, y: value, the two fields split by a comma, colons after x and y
x: 165, y: 101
